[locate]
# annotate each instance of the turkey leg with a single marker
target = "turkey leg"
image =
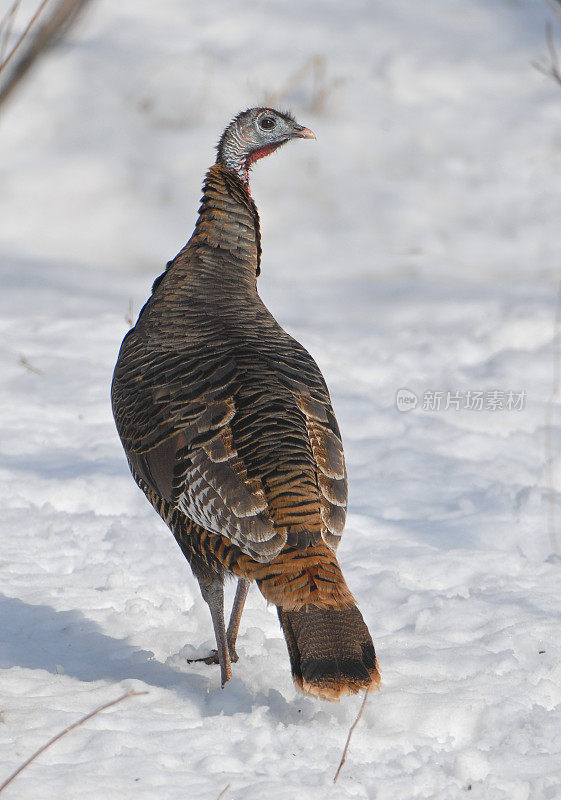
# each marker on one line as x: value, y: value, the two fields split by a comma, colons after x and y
x: 235, y: 617
x: 213, y: 594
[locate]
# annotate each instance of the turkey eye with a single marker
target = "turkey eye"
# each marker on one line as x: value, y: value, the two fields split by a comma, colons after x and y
x: 267, y: 123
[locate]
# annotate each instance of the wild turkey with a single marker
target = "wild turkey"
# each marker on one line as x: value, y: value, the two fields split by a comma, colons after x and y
x: 228, y: 429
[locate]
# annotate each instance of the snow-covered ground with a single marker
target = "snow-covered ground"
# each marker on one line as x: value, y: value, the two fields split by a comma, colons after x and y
x: 415, y: 245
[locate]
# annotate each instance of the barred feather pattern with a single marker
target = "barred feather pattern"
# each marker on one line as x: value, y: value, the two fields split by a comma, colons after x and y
x: 226, y: 420
x: 221, y: 412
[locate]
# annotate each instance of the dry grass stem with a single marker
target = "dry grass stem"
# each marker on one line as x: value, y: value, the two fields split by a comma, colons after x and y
x: 353, y: 726
x: 6, y: 26
x: 550, y: 68
x: 26, y: 30
x: 64, y: 732
x: 25, y: 363
x: 321, y: 86
x: 64, y: 14
x: 129, y: 315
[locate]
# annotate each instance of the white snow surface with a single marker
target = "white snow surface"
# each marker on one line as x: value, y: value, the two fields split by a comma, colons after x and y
x: 415, y: 245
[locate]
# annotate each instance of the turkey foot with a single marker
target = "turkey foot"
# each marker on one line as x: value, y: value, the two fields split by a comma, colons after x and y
x: 212, y: 658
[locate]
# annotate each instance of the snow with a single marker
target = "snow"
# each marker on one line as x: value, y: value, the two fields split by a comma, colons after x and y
x: 414, y: 245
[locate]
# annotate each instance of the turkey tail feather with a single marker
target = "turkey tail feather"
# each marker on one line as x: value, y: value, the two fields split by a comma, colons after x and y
x: 331, y: 651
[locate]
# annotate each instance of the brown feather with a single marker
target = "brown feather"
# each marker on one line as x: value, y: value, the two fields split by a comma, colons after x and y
x: 228, y: 428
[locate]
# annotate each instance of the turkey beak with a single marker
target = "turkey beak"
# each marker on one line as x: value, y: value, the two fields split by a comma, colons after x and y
x: 304, y: 133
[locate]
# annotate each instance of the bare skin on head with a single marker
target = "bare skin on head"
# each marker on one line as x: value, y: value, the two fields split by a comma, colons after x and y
x: 254, y: 134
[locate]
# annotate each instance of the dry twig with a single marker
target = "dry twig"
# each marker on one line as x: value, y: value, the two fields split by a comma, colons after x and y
x: 129, y: 315
x: 556, y: 6
x: 63, y: 16
x: 550, y: 68
x: 321, y: 86
x: 65, y: 731
x: 26, y: 30
x: 353, y: 726
x: 223, y: 792
x: 25, y: 363
x: 6, y: 29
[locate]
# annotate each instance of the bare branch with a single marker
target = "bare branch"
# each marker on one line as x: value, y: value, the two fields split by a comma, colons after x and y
x: 65, y: 731
x: 321, y: 86
x: 353, y: 726
x: 550, y: 68
x: 556, y: 7
x: 6, y: 28
x: 63, y: 16
x: 25, y: 363
x: 26, y: 30
x: 129, y: 316
x: 223, y: 792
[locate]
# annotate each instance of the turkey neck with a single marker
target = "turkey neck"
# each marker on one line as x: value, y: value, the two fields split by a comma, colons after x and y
x: 224, y: 252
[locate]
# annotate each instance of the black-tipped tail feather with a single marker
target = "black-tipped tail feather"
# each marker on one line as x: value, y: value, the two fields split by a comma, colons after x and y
x: 331, y: 651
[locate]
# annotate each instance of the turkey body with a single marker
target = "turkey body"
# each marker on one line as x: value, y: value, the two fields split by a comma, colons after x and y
x: 228, y: 429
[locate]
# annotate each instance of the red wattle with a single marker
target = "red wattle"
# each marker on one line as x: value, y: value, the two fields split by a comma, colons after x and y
x: 257, y: 154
